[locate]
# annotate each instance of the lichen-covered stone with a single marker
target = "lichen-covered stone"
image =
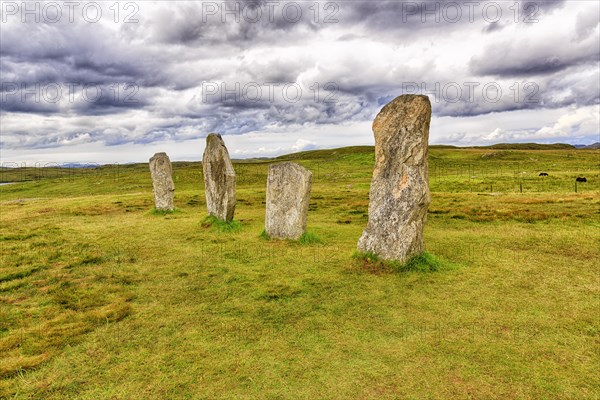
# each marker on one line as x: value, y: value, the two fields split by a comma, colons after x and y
x: 162, y: 182
x: 288, y: 196
x: 399, y: 195
x: 219, y: 178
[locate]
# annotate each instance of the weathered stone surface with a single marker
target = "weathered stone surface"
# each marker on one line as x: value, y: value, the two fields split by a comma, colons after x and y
x: 399, y: 194
x: 219, y: 178
x: 162, y: 182
x: 288, y: 195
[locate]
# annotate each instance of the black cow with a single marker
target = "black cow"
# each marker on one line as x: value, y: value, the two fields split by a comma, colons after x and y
x: 580, y: 180
x: 543, y: 174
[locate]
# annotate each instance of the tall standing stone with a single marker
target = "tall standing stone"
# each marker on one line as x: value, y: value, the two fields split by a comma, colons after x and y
x: 219, y: 178
x: 399, y: 194
x: 288, y: 195
x: 162, y: 182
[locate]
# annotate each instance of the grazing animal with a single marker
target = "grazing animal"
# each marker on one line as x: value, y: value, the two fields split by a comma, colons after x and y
x: 581, y: 180
x: 543, y: 174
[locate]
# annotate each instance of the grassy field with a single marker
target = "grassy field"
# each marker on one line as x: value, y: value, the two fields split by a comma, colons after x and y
x: 100, y: 298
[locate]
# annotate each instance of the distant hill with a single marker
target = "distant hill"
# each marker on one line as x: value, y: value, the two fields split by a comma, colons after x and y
x: 329, y: 153
x: 529, y: 146
x: 511, y: 146
x: 443, y: 146
x: 73, y: 165
x: 594, y: 146
x: 523, y: 146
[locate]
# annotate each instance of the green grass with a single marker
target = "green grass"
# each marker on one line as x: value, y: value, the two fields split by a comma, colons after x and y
x: 264, y: 235
x: 100, y: 300
x: 309, y: 238
x: 19, y: 275
x: 221, y: 225
x: 155, y: 211
x: 425, y: 262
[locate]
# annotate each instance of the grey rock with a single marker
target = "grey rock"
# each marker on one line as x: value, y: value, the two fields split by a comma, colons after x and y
x: 162, y: 182
x: 219, y: 178
x: 288, y: 196
x: 399, y: 195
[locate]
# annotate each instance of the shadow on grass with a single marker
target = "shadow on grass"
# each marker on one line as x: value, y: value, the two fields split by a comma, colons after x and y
x: 424, y: 263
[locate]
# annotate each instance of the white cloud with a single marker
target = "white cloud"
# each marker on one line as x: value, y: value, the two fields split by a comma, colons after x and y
x: 578, y: 122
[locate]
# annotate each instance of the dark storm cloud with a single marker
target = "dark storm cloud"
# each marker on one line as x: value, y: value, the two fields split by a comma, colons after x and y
x: 218, y: 24
x: 79, y: 52
x: 423, y: 17
x: 545, y: 6
x: 525, y: 63
x: 544, y: 55
x: 28, y: 105
x: 231, y: 23
x: 243, y: 116
x: 108, y: 100
x: 175, y: 49
x: 493, y: 27
x: 38, y: 58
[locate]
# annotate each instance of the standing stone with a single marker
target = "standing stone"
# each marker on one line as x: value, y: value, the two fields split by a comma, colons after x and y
x: 162, y: 183
x: 399, y: 194
x: 288, y: 195
x: 219, y: 178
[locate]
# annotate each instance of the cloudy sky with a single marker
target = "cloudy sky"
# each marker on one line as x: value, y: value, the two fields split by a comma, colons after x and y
x: 118, y: 81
